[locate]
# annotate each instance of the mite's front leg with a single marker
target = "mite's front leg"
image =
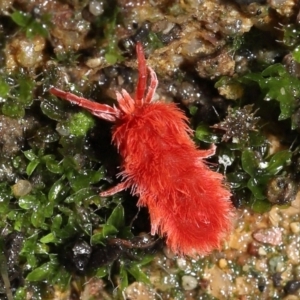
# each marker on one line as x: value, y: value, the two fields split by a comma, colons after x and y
x: 99, y: 110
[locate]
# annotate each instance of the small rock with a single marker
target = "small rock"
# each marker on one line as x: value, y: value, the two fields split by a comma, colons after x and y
x: 262, y: 251
x: 182, y: 263
x: 21, y: 188
x: 223, y: 263
x: 276, y: 279
x: 272, y: 236
x: 253, y: 248
x: 295, y: 227
x: 96, y: 8
x: 292, y: 286
x: 189, y: 282
x: 139, y: 291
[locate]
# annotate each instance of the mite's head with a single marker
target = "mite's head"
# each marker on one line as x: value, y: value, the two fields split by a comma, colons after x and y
x: 143, y: 94
x: 126, y: 103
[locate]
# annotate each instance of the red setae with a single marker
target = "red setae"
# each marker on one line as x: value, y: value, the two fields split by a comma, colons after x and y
x: 187, y: 201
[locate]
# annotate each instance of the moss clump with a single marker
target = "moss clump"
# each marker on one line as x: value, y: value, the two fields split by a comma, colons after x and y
x: 80, y: 123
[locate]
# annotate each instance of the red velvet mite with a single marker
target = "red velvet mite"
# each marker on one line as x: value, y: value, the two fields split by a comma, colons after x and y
x: 187, y: 202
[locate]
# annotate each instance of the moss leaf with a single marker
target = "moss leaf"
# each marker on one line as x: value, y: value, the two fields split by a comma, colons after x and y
x: 82, y: 180
x: 85, y: 194
x: 4, y: 88
x: 256, y: 188
x: 29, y: 154
x: 20, y: 18
x: 138, y: 274
x: 54, y: 166
x: 123, y: 278
x: 49, y: 238
x: 13, y: 109
x: 249, y: 162
x: 278, y: 161
x: 26, y: 86
x: 42, y: 273
x: 259, y: 206
x: 116, y: 218
x: 38, y: 217
x: 80, y: 123
x: 296, y: 54
x: 28, y: 202
x: 101, y: 272
x: 32, y: 166
x: 107, y: 231
x: 57, y: 191
x: 205, y: 134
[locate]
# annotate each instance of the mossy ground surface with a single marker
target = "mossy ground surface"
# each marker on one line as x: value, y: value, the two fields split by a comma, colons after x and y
x: 232, y: 66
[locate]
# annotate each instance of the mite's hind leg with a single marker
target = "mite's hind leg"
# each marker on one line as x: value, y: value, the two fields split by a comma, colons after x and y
x: 116, y: 189
x: 207, y: 153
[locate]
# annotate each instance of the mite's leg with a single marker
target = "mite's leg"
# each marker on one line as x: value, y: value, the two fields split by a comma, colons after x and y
x: 207, y: 153
x: 116, y: 189
x: 143, y: 75
x: 102, y: 111
x: 126, y: 103
x: 152, y: 87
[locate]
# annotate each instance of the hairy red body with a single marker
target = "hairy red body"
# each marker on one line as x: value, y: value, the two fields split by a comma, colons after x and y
x: 187, y: 201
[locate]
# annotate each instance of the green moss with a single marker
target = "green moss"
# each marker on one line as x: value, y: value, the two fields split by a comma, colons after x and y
x: 67, y: 170
x: 4, y: 88
x: 250, y: 170
x: 32, y: 25
x: 112, y: 51
x: 18, y: 95
x: 291, y: 35
x: 154, y: 41
x: 296, y: 54
x: 80, y: 123
x: 277, y: 84
x: 256, y: 173
x: 205, y: 134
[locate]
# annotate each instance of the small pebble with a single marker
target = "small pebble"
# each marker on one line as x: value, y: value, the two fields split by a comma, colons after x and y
x: 138, y: 291
x: 276, y: 278
x: 272, y: 236
x: 253, y: 248
x: 261, y: 284
x: 96, y: 8
x: 262, y: 251
x: 94, y: 62
x: 291, y: 297
x: 292, y: 286
x: 21, y: 188
x: 204, y: 284
x: 189, y: 282
x: 28, y: 52
x: 182, y: 264
x: 295, y: 227
x: 281, y: 267
x: 223, y: 263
